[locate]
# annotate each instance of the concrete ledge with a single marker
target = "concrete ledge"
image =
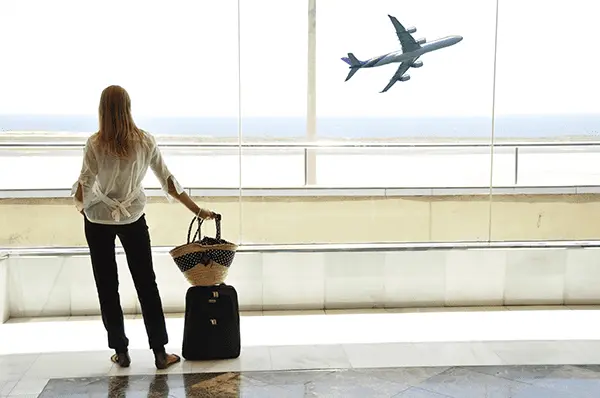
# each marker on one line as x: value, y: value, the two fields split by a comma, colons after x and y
x: 331, y: 192
x: 301, y: 220
x: 64, y: 286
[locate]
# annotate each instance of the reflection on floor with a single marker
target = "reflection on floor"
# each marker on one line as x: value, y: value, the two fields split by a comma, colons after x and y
x: 434, y: 382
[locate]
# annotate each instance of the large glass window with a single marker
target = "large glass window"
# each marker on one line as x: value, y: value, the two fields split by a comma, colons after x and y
x: 273, y: 115
x: 434, y: 129
x: 179, y: 62
x: 273, y: 92
x: 546, y: 123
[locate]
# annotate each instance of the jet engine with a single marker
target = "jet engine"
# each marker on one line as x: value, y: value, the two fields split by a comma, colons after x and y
x: 417, y: 64
x: 412, y: 29
x: 421, y: 41
x: 404, y: 78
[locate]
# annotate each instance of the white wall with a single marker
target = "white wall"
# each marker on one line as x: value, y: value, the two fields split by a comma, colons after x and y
x: 62, y: 286
x: 4, y: 303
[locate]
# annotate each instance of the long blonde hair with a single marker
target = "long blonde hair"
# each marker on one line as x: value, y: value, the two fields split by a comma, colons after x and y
x: 118, y: 132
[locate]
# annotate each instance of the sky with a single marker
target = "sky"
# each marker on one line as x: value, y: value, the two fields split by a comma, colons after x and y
x: 180, y: 58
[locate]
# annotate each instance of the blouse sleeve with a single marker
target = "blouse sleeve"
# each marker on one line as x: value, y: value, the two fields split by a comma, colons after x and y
x: 161, y: 171
x: 88, y: 173
x: 89, y: 169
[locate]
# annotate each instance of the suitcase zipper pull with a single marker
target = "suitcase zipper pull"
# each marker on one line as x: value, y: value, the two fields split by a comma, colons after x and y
x: 215, y: 295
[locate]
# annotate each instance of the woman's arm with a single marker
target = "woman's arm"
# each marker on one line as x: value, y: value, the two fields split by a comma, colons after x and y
x: 87, y: 175
x: 184, y: 198
x: 171, y: 186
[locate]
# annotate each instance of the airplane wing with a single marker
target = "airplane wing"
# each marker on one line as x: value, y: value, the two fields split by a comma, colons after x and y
x: 404, y: 66
x: 407, y: 42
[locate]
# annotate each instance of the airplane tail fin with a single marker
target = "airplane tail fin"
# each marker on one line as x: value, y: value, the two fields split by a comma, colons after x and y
x: 354, y: 63
x: 351, y: 73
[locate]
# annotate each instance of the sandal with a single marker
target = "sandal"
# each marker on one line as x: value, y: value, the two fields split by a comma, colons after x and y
x: 164, y: 360
x: 123, y: 360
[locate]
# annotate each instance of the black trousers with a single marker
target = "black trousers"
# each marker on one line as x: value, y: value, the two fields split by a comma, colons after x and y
x: 135, y: 239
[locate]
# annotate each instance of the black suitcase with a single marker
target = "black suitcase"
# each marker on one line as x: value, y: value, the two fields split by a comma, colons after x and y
x: 212, y: 323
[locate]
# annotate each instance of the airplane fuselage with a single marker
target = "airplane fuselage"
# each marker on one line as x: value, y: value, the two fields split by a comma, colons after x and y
x: 399, y: 56
x: 408, y: 57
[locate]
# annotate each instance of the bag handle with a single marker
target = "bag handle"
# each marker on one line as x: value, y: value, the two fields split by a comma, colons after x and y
x: 198, y: 232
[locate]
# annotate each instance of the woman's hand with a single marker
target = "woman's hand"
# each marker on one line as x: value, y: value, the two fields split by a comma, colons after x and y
x: 210, y: 215
x: 206, y: 214
x: 79, y: 207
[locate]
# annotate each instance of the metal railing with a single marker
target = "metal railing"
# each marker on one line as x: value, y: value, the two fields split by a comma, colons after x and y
x: 321, y: 145
x: 5, y: 252
x: 316, y: 145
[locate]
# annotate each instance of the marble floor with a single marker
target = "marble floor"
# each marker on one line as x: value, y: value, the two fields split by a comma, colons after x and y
x: 472, y: 346
x: 431, y: 382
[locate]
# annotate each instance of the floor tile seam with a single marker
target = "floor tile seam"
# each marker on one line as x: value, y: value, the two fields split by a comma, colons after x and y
x: 22, y: 375
x: 503, y: 377
x: 24, y: 396
x: 488, y: 346
x: 403, y: 390
x: 424, y: 390
x: 270, y: 358
x: 13, y: 387
x: 321, y: 374
x: 37, y: 358
x: 443, y: 369
x: 504, y: 361
x: 400, y: 385
x: 439, y: 393
x: 523, y: 383
x: 347, y: 356
x: 257, y: 382
x: 328, y: 371
x: 7, y: 394
x: 71, y: 375
x: 10, y: 394
x: 437, y: 374
x: 325, y: 372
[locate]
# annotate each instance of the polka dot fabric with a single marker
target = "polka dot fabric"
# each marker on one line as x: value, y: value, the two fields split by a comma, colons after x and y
x: 190, y: 260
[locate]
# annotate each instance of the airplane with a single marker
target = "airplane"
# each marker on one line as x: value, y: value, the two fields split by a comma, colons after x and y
x: 408, y: 57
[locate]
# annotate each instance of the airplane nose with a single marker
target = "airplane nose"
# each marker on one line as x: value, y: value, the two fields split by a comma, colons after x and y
x: 459, y: 38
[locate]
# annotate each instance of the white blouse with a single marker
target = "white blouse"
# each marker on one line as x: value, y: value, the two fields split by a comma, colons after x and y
x: 112, y: 186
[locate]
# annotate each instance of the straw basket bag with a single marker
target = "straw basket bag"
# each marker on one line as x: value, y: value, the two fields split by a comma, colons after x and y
x: 204, y: 262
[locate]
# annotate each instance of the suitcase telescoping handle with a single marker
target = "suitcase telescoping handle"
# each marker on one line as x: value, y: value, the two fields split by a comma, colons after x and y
x: 199, y: 233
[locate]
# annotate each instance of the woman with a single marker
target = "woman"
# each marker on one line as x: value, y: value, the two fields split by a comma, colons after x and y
x: 109, y: 194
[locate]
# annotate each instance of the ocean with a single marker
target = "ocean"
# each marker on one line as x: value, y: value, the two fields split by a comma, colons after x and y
x: 364, y: 167
x: 509, y: 127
